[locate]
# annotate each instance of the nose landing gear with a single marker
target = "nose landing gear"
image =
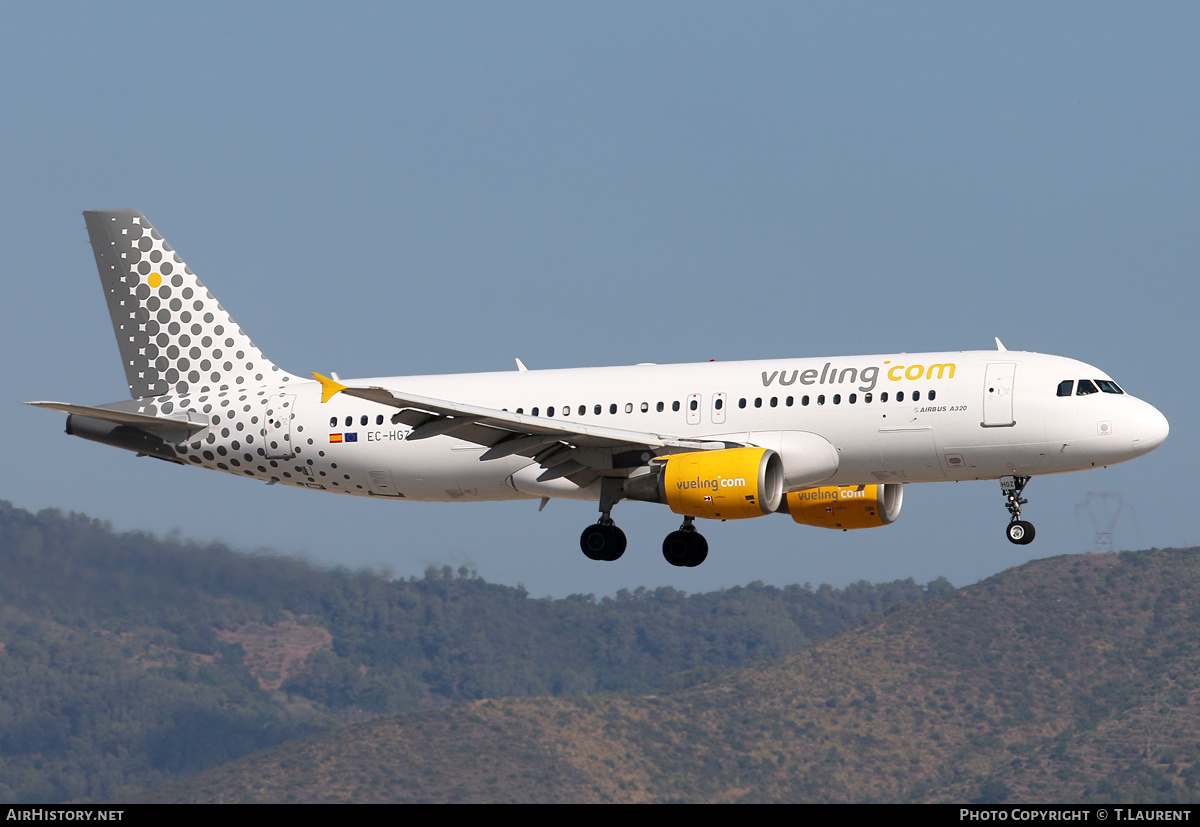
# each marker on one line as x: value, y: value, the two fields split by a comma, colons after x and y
x: 1019, y: 531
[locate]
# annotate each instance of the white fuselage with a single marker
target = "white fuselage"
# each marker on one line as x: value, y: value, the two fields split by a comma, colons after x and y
x: 828, y: 441
x: 890, y: 418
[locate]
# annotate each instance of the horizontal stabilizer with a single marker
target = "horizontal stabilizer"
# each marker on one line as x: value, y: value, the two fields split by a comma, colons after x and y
x: 154, y: 424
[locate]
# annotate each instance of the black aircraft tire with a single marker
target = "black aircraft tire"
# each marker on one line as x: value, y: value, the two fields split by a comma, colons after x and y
x: 685, y: 548
x: 676, y: 546
x: 602, y: 542
x: 616, y: 545
x: 1020, y: 532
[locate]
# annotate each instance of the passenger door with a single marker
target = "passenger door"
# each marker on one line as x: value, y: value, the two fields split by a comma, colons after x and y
x: 278, y: 430
x: 998, y: 395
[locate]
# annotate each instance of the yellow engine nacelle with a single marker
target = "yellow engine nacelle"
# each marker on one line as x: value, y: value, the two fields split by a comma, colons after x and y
x: 846, y: 506
x: 727, y: 484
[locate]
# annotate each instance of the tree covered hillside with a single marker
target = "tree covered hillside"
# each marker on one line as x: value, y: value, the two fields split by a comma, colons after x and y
x: 127, y: 660
x: 1066, y: 679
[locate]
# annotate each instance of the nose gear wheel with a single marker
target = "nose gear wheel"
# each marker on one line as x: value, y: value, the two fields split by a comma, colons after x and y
x: 1018, y: 531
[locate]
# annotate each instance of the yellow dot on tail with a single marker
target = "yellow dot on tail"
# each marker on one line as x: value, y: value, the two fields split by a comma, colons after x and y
x: 155, y: 279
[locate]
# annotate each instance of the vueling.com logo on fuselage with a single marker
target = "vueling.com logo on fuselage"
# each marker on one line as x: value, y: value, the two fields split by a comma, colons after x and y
x: 868, y: 376
x: 711, y: 485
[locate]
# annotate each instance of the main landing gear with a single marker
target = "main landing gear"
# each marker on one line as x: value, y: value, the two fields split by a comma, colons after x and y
x: 1019, y: 531
x: 685, y: 547
x: 604, y: 541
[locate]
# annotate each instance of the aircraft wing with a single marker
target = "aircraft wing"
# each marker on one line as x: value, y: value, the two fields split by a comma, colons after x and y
x: 564, y: 448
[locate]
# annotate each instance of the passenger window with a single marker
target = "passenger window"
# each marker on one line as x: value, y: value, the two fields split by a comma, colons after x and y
x: 645, y: 407
x: 1065, y: 387
x: 916, y: 396
x: 596, y: 410
x: 363, y: 420
x: 550, y: 411
x: 629, y: 407
x: 899, y: 396
x: 790, y: 400
x: 534, y: 411
x: 379, y: 419
x: 693, y: 405
x: 659, y: 407
x: 867, y: 398
x: 612, y: 409
x: 520, y: 410
x: 883, y: 397
x: 853, y: 398
x: 758, y: 401
x: 1085, y: 387
x: 932, y: 395
x: 582, y: 410
x: 821, y: 399
x: 675, y: 405
x: 837, y: 399
x: 774, y: 401
x: 719, y: 403
x: 349, y: 421
x: 804, y: 401
x: 742, y: 402
x: 333, y: 422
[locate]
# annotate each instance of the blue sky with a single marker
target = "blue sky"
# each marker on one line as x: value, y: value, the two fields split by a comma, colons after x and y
x: 391, y: 188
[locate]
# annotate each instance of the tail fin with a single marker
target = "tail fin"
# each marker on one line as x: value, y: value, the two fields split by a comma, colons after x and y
x: 173, y: 335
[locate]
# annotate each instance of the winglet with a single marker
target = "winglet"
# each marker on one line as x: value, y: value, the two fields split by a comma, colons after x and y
x: 521, y: 366
x: 1000, y: 344
x: 329, y: 388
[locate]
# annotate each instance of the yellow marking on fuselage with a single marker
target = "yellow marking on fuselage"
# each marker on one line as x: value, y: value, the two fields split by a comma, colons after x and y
x: 329, y: 388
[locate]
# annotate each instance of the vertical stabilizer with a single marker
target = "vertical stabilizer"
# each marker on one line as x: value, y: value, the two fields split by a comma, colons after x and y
x: 173, y: 335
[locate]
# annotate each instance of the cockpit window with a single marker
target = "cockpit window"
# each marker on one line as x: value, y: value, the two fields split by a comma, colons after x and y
x: 1085, y: 387
x: 1065, y: 387
x: 1109, y: 386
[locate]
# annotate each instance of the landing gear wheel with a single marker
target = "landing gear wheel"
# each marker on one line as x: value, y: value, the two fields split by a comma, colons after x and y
x: 602, y: 542
x: 1020, y: 532
x: 686, y: 547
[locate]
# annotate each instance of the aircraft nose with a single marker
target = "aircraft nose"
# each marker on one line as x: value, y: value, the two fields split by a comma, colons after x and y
x: 1150, y: 429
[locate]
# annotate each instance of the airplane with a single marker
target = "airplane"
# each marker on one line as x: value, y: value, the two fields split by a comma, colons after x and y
x: 830, y: 442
